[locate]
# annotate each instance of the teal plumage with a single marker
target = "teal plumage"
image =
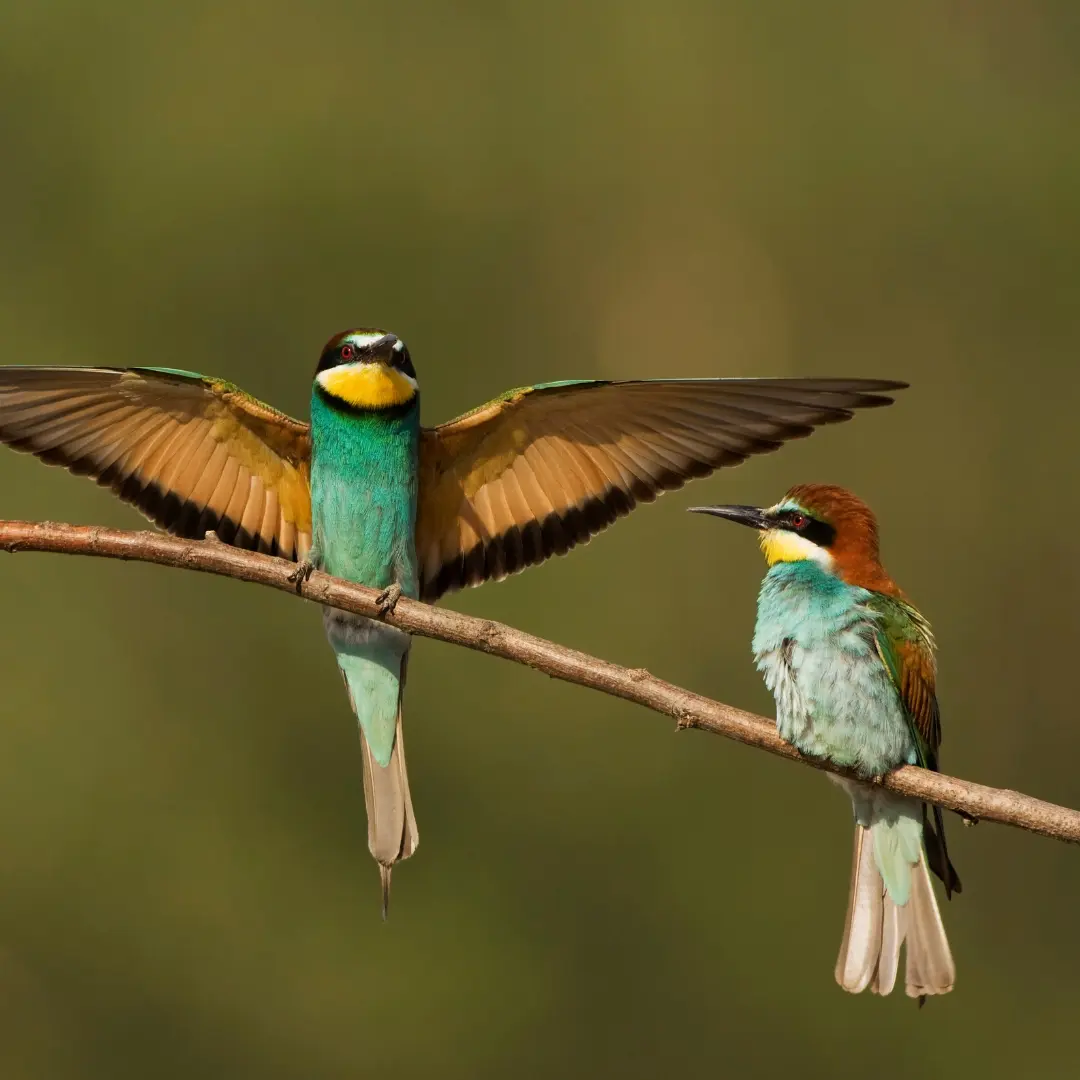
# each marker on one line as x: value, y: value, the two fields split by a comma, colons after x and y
x: 815, y: 642
x: 365, y: 532
x: 850, y: 664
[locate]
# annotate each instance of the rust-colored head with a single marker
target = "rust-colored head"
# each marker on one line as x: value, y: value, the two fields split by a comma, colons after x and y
x: 821, y: 522
x: 854, y: 549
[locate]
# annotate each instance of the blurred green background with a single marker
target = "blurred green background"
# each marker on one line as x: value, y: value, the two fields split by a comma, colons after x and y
x: 530, y: 192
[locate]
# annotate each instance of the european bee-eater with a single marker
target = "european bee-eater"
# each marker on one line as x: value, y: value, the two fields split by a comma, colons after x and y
x: 850, y: 662
x: 365, y: 493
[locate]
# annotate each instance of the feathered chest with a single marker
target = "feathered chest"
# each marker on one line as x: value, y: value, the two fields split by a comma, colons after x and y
x: 363, y: 492
x: 815, y: 643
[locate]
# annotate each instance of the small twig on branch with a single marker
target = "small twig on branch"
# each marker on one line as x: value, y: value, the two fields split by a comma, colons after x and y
x: 632, y: 684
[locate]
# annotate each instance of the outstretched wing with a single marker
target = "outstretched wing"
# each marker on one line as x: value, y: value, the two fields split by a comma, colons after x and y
x: 905, y: 644
x: 191, y: 453
x: 542, y: 469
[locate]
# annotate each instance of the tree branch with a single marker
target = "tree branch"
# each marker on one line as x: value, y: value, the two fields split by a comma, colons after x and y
x: 632, y: 684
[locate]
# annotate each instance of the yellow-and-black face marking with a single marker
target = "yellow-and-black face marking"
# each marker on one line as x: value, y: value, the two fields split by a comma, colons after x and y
x: 367, y: 370
x: 795, y: 536
x: 787, y: 532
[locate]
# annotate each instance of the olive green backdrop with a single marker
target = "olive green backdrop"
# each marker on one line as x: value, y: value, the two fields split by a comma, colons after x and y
x: 531, y: 192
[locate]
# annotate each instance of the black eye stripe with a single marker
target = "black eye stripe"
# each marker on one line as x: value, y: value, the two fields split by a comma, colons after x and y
x: 817, y: 532
x: 397, y: 356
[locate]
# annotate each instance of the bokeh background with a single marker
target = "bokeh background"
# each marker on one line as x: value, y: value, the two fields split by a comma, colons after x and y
x: 530, y: 192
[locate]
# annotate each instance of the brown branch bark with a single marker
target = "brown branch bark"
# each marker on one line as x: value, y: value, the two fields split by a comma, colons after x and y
x: 633, y: 684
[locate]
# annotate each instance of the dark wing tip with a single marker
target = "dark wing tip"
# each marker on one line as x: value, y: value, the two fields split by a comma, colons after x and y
x: 851, y: 393
x: 838, y: 401
x: 840, y: 383
x: 871, y: 385
x: 862, y: 393
x: 874, y: 399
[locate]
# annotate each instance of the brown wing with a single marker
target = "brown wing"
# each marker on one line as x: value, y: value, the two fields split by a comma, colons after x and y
x: 917, y: 678
x: 905, y: 644
x: 540, y: 470
x: 917, y: 689
x: 193, y: 454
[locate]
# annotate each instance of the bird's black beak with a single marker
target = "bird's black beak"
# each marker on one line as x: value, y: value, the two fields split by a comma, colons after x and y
x: 380, y: 351
x: 752, y: 516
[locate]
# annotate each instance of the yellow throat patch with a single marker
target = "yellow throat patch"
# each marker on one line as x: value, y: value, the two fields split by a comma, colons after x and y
x: 780, y: 545
x: 368, y: 386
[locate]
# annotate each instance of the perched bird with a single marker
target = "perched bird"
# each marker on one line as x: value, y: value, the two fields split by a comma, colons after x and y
x: 850, y: 662
x: 365, y: 493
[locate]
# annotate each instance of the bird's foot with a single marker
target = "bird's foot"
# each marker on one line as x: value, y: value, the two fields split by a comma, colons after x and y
x: 302, y: 572
x: 387, y: 600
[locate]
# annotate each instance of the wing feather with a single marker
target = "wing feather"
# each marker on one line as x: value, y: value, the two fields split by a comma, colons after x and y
x: 536, y: 499
x: 252, y: 513
x: 905, y: 644
x: 241, y: 493
x: 193, y: 454
x: 542, y: 469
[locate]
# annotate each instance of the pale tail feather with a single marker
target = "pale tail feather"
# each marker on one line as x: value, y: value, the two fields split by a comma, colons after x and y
x: 392, y: 834
x: 930, y: 967
x: 373, y: 662
x: 893, y: 926
x: 876, y: 927
x: 860, y: 949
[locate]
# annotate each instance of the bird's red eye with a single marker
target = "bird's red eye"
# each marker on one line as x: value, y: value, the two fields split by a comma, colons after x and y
x: 798, y: 520
x: 347, y: 352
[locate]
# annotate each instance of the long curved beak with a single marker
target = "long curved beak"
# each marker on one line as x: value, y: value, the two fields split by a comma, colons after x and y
x: 752, y: 516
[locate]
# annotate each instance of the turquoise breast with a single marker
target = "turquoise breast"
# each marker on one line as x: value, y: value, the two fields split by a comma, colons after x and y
x: 363, y: 492
x: 814, y: 643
